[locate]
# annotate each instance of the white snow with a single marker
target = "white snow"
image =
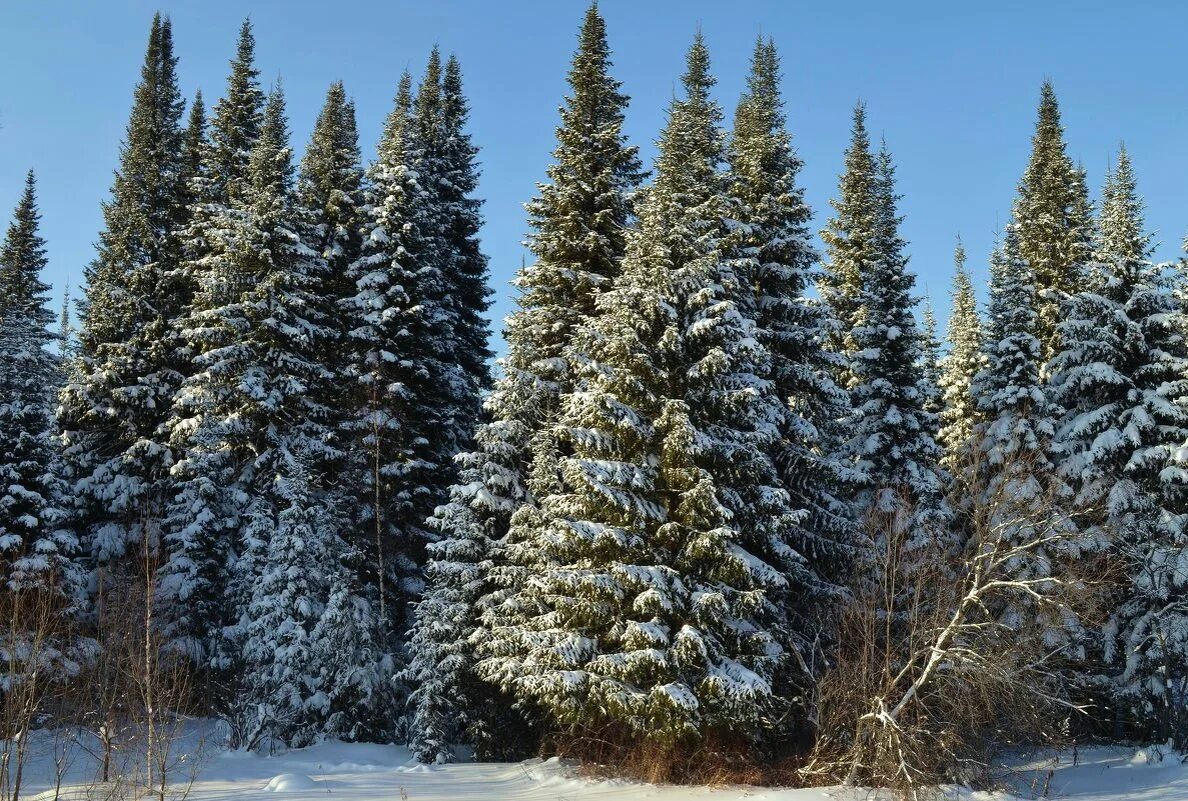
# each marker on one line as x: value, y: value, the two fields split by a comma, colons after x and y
x: 290, y: 783
x: 366, y: 772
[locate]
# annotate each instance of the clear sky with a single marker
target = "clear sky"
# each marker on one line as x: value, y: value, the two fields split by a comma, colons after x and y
x: 952, y: 86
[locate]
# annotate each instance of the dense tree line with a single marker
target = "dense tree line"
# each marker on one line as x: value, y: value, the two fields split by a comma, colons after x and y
x: 705, y: 442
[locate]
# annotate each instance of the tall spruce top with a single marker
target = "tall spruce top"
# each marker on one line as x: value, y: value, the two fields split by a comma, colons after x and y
x: 849, y: 235
x: 139, y: 216
x: 428, y: 105
x: 1012, y: 294
x: 959, y: 366
x: 759, y: 142
x: 1121, y: 235
x: 1053, y: 217
x: 331, y: 177
x: 271, y: 166
x: 581, y: 214
x: 22, y: 258
x: 455, y: 107
x: 193, y: 151
x: 691, y: 143
x: 393, y: 140
x: 964, y: 329
x: 237, y: 119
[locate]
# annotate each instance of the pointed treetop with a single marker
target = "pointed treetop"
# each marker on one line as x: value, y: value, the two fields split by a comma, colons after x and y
x: 237, y: 117
x: 428, y: 105
x: 1049, y: 108
x: 396, y: 123
x: 331, y: 178
x: 763, y: 81
x: 857, y: 182
x: 593, y: 49
x: 697, y: 79
x: 197, y: 119
x: 271, y: 167
x: 194, y: 138
x: 1121, y: 226
x: 888, y: 217
x: 456, y: 107
x: 928, y: 319
x: 759, y: 115
x: 65, y: 327
x: 691, y: 143
x: 23, y: 256
x: 859, y: 138
x: 332, y: 132
x: 245, y: 47
x: 1053, y: 216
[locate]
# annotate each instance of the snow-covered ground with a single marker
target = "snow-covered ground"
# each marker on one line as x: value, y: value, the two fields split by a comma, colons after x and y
x: 361, y: 772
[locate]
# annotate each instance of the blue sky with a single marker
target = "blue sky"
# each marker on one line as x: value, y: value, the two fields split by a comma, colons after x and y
x: 952, y: 87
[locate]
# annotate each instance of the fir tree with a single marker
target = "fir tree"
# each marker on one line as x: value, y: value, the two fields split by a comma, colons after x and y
x: 466, y: 275
x: 329, y: 214
x: 850, y: 239
x: 1015, y: 431
x: 329, y: 200
x: 307, y: 647
x: 255, y: 395
x: 198, y: 542
x: 889, y: 431
x: 330, y: 190
x: 129, y: 362
x: 579, y: 219
x: 930, y: 361
x: 1122, y: 366
x: 660, y: 571
x: 390, y: 328
x: 238, y: 117
x: 778, y: 262
x: 1053, y: 221
x: 35, y: 551
x: 195, y: 165
x: 958, y: 367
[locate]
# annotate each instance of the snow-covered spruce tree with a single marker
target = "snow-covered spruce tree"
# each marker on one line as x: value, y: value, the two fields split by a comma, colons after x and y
x: 236, y: 125
x: 423, y: 234
x: 1122, y: 367
x: 255, y: 394
x: 199, y: 540
x: 193, y: 146
x: 778, y: 261
x: 1014, y: 432
x: 1053, y: 220
x: 850, y: 240
x: 442, y: 292
x: 579, y: 218
x: 889, y: 432
x: 385, y: 335
x: 306, y: 659
x: 958, y: 367
x: 129, y: 363
x: 35, y: 551
x: 330, y: 202
x: 654, y: 610
x: 930, y: 362
x: 465, y: 271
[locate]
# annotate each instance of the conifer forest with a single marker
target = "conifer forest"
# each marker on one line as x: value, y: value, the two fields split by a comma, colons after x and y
x: 725, y: 504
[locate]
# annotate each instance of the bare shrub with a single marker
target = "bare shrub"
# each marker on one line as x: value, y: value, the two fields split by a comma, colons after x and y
x: 140, y: 694
x: 35, y: 663
x: 932, y: 671
x: 715, y: 759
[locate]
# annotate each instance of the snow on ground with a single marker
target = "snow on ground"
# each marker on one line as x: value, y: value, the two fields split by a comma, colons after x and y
x: 364, y: 772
